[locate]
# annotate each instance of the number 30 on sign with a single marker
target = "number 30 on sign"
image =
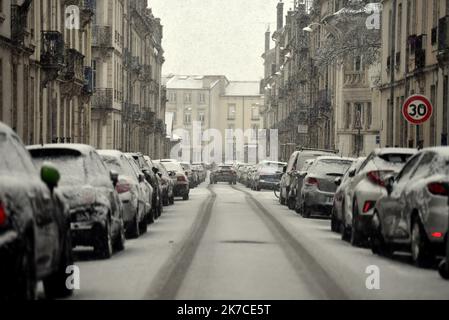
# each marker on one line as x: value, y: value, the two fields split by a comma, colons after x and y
x: 417, y: 109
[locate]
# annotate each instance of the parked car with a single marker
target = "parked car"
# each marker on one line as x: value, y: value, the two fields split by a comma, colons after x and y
x: 341, y: 202
x: 250, y: 176
x: 35, y: 242
x: 133, y: 191
x: 268, y: 174
x: 412, y: 214
x: 290, y: 185
x: 368, y: 186
x: 193, y: 178
x: 223, y: 173
x: 156, y: 201
x: 181, y: 182
x: 317, y: 194
x: 96, y: 212
x: 168, y: 196
x: 200, y: 171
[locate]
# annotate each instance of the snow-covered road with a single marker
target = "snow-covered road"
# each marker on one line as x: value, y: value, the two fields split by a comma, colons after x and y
x: 233, y: 243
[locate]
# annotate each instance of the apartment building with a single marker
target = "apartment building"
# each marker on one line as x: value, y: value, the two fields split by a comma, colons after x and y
x: 128, y: 103
x: 45, y: 75
x: 415, y: 58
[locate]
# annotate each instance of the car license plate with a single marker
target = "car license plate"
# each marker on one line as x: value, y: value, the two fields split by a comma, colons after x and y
x: 330, y: 200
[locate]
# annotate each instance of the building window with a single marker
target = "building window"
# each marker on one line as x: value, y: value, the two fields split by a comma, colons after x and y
x: 357, y: 144
x: 188, y: 98
x: 94, y: 73
x: 187, y: 117
x: 358, y: 116
x: 172, y: 97
x: 201, y: 116
x: 348, y: 116
x: 255, y: 112
x: 358, y: 63
x: 174, y: 117
x: 202, y: 98
x: 254, y: 131
x: 231, y: 111
x: 369, y: 115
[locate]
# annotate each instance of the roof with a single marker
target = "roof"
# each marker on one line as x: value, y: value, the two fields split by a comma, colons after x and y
x: 395, y: 150
x: 192, y: 82
x: 243, y: 89
x: 84, y: 149
x: 335, y: 158
x: 110, y: 153
x: 443, y: 151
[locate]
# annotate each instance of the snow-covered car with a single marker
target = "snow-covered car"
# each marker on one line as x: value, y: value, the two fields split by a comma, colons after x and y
x: 367, y: 186
x: 288, y: 185
x: 133, y: 197
x: 317, y: 193
x: 179, y: 177
x: 413, y: 214
x: 89, y: 189
x: 341, y: 202
x: 35, y: 242
x: 190, y: 174
x: 156, y: 201
x: 223, y: 173
x: 168, y: 197
x: 268, y: 174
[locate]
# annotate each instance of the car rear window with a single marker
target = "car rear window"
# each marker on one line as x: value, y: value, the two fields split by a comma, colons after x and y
x: 395, y: 157
x: 330, y: 166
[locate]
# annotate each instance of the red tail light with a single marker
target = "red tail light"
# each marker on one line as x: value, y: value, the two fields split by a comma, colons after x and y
x: 2, y: 214
x: 437, y: 235
x: 368, y: 206
x: 181, y: 178
x: 312, y: 181
x: 123, y: 187
x: 378, y: 177
x: 437, y: 188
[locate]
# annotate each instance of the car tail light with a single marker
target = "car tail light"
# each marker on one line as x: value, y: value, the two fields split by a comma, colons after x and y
x: 368, y: 206
x: 181, y: 178
x: 123, y: 186
x: 2, y: 214
x: 378, y: 177
x: 437, y: 235
x: 437, y: 188
x: 312, y: 181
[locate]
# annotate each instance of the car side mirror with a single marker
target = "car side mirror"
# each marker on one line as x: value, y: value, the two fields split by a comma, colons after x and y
x: 141, y: 177
x: 155, y: 170
x: 50, y: 176
x: 159, y: 174
x: 284, y: 169
x: 114, y: 177
x: 337, y: 182
x: 389, y: 184
x: 352, y: 173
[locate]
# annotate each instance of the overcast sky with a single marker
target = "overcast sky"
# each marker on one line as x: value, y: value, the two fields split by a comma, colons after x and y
x: 216, y: 36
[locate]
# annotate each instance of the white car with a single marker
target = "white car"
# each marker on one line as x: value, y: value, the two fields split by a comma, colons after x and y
x: 367, y: 186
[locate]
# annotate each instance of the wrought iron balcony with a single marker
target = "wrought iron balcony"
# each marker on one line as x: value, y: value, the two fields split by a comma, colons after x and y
x: 52, y: 53
x: 135, y: 64
x: 146, y: 73
x: 324, y: 100
x: 160, y: 126
x: 148, y: 117
x: 126, y: 57
x: 102, y: 98
x: 74, y: 66
x: 88, y: 87
x: 131, y: 111
x: 102, y: 36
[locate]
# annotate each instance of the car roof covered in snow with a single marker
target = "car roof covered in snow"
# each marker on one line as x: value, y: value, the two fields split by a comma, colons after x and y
x: 84, y: 149
x: 382, y: 151
x: 443, y: 151
x: 111, y: 153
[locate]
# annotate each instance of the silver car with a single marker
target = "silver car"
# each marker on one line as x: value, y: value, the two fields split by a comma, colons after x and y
x: 366, y: 187
x: 317, y: 193
x: 412, y: 215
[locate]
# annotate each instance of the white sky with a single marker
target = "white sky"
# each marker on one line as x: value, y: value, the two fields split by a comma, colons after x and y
x: 216, y: 36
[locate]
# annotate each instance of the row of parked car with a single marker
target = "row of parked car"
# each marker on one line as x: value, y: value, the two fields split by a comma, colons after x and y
x: 264, y: 175
x: 396, y: 199
x: 58, y: 196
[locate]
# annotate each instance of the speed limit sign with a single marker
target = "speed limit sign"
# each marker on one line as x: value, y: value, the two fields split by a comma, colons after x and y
x: 417, y: 109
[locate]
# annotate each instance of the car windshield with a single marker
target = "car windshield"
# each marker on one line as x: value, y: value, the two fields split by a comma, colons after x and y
x: 185, y: 166
x: 121, y: 167
x: 13, y: 160
x: 224, y: 167
x: 172, y: 166
x: 71, y: 165
x: 331, y: 166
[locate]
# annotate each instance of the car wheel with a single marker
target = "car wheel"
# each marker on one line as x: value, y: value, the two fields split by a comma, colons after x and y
x: 443, y: 269
x: 135, y: 230
x: 378, y: 244
x: 150, y: 217
x: 143, y: 226
x: 335, y: 224
x: 356, y: 236
x: 185, y: 197
x: 120, y: 241
x: 306, y: 213
x: 421, y: 252
x: 291, y: 203
x: 172, y: 200
x: 281, y: 198
x: 55, y: 284
x: 165, y: 201
x: 103, y: 247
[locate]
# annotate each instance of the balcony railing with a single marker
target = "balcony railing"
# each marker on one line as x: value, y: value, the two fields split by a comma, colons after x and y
x: 74, y: 65
x: 135, y: 64
x: 146, y: 73
x: 102, y: 98
x: 354, y: 78
x: 102, y: 36
x: 131, y: 111
x: 52, y: 52
x: 88, y: 87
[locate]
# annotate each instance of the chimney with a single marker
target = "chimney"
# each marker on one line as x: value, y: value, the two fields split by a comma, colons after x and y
x: 267, y: 40
x: 280, y: 15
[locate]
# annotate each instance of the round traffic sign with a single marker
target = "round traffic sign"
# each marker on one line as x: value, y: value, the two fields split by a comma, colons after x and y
x: 417, y: 109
